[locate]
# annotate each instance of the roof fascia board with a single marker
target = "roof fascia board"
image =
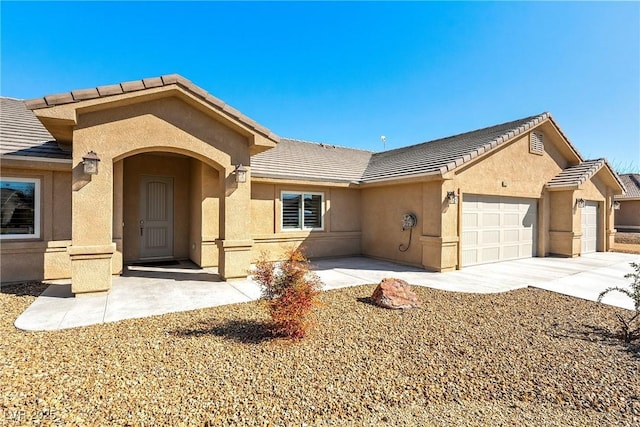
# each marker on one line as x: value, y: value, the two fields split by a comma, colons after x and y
x: 613, y: 178
x: 305, y: 182
x: 24, y: 162
x: 409, y: 179
x: 563, y: 136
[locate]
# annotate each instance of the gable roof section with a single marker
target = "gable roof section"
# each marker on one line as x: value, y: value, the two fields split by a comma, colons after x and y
x: 631, y: 182
x: 23, y: 135
x: 295, y: 159
x: 574, y: 176
x: 443, y: 155
x: 150, y: 83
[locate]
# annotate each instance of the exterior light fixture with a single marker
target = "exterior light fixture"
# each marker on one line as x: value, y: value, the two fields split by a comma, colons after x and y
x: 452, y: 197
x: 241, y: 173
x: 580, y: 203
x: 616, y: 205
x: 90, y: 162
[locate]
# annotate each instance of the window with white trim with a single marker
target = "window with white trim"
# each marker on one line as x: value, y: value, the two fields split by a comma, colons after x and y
x: 19, y: 208
x: 536, y: 143
x: 302, y: 211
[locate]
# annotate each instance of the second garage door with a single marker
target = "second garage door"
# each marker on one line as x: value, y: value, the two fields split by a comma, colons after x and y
x: 497, y: 228
x: 589, y: 227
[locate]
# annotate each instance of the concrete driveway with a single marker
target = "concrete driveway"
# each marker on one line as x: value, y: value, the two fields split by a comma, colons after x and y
x: 147, y: 291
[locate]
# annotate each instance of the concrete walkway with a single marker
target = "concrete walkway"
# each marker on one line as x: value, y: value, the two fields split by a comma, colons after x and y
x: 148, y: 291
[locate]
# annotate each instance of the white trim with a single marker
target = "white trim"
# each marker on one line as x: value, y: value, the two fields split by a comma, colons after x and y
x: 301, y: 213
x: 36, y: 159
x: 36, y: 209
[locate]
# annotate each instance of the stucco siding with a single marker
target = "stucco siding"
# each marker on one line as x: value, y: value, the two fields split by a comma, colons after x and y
x: 511, y: 171
x: 628, y: 214
x: 383, y: 208
x: 339, y: 237
x: 44, y: 257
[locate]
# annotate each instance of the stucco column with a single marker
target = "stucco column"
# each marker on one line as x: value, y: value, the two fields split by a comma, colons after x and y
x: 235, y: 243
x: 92, y: 247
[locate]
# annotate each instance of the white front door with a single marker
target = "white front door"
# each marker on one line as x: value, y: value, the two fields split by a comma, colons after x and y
x: 156, y: 217
x: 497, y: 228
x: 589, y: 227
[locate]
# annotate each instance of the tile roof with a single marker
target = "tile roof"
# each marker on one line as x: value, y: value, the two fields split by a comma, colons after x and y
x: 574, y: 176
x: 310, y: 161
x: 22, y: 134
x: 632, y: 183
x: 442, y: 155
x: 149, y: 83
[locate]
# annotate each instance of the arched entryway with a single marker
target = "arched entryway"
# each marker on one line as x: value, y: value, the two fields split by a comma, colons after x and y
x: 168, y: 208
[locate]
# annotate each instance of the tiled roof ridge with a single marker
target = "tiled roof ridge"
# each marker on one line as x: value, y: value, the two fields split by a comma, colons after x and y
x: 631, y: 182
x: 323, y: 144
x: 460, y: 134
x: 531, y: 122
x: 148, y: 83
x: 577, y: 175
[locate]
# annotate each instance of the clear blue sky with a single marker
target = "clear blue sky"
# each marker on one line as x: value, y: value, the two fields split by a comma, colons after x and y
x: 346, y: 73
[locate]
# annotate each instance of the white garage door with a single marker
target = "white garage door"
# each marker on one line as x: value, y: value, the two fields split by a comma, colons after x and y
x: 589, y: 227
x: 497, y: 228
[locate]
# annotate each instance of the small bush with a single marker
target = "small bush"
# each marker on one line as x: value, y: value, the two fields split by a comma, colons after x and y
x: 629, y: 328
x: 291, y: 291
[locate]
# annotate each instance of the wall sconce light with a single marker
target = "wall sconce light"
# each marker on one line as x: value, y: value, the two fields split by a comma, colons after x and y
x: 452, y: 197
x: 90, y: 163
x: 580, y: 203
x: 241, y: 173
x: 616, y: 205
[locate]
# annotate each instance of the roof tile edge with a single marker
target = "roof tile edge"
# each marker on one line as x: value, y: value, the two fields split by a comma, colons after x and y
x: 78, y: 95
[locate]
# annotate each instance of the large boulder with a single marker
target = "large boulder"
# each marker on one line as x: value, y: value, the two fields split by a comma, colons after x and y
x: 396, y: 294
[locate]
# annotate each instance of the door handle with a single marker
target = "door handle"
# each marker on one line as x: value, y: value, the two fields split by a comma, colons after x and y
x: 141, y: 227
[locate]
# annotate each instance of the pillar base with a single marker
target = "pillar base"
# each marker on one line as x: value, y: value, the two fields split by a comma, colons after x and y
x: 439, y: 253
x: 234, y: 258
x: 91, y: 268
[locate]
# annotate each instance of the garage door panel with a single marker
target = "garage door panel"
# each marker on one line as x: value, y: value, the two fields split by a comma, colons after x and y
x: 498, y: 228
x: 511, y: 219
x: 490, y: 220
x: 471, y: 219
x: 589, y: 217
x: 490, y: 254
x: 511, y: 236
x: 490, y: 237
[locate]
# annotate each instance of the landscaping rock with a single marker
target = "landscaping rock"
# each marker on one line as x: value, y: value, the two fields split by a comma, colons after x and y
x: 395, y: 294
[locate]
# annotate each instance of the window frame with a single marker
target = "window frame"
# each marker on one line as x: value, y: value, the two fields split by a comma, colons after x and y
x: 37, y: 195
x: 301, y: 211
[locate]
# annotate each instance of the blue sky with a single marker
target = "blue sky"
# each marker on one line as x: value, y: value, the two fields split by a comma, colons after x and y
x: 347, y: 73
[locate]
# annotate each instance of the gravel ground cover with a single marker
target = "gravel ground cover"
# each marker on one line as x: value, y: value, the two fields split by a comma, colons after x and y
x: 627, y: 243
x: 527, y: 357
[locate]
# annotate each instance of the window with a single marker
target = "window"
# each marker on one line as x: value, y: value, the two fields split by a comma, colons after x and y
x: 536, y: 144
x: 20, y: 208
x: 302, y: 211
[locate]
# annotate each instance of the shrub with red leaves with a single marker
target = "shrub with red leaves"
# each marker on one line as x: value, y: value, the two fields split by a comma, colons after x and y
x: 291, y: 291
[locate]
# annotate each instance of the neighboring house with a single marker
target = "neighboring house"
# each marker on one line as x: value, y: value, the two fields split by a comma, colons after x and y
x: 169, y: 185
x: 627, y: 216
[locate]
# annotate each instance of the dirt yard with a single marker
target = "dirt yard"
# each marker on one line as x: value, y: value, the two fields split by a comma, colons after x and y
x: 627, y: 242
x: 527, y: 357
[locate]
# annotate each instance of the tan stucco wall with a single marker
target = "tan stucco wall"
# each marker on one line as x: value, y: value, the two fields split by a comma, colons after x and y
x: 44, y: 257
x: 628, y: 214
x: 342, y: 223
x: 176, y: 167
x: 512, y: 171
x: 120, y: 130
x: 383, y: 208
x: 205, y: 211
